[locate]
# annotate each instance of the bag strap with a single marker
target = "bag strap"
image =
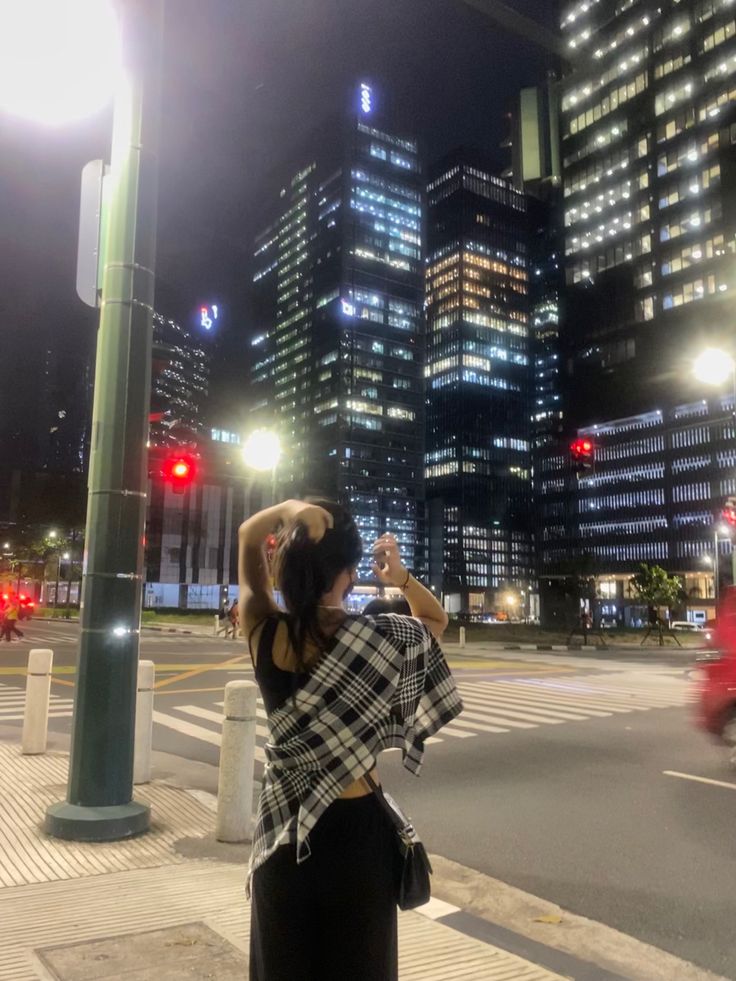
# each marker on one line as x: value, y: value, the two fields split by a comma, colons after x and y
x: 390, y: 812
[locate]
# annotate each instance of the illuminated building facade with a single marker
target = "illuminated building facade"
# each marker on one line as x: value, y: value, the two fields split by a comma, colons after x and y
x: 648, y: 134
x: 339, y: 348
x: 649, y: 164
x: 179, y: 383
x: 478, y: 452
x: 650, y: 496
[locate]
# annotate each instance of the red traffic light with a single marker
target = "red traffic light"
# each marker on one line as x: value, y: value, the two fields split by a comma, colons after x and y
x: 180, y: 470
x: 582, y: 447
x: 729, y: 511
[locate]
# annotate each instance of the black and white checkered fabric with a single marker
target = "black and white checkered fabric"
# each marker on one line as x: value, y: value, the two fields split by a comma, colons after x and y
x: 384, y: 683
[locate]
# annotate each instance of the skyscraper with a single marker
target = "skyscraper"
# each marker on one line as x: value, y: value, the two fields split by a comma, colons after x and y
x: 648, y: 131
x: 478, y: 461
x: 338, y: 351
x: 650, y: 209
x: 179, y: 384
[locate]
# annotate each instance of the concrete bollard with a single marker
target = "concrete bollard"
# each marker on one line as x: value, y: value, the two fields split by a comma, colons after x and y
x: 38, y: 690
x: 462, y: 636
x: 143, y: 722
x: 217, y: 624
x: 237, y: 754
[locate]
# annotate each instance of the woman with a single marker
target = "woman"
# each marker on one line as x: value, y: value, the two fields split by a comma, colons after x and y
x: 337, y: 689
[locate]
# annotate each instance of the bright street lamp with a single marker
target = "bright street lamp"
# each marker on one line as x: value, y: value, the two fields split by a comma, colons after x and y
x: 713, y: 366
x: 61, y: 58
x: 262, y: 450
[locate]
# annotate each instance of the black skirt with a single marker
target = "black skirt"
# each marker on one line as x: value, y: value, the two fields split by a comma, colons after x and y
x: 333, y: 917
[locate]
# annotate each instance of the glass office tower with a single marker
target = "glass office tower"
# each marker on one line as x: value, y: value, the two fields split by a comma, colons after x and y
x: 478, y: 460
x: 338, y: 346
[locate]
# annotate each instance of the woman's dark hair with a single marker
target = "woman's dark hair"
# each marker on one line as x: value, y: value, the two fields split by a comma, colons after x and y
x: 383, y: 605
x: 305, y: 570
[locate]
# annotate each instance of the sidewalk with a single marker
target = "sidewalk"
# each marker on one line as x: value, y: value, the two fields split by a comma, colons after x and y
x: 175, y: 897
x: 171, y: 904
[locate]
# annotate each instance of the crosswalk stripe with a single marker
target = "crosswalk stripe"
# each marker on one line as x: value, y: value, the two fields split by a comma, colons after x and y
x: 612, y: 703
x: 502, y: 711
x: 477, y: 726
x: 568, y: 710
x: 501, y: 703
x: 596, y: 687
x: 187, y: 728
x: 217, y: 717
x: 456, y: 733
x: 497, y: 720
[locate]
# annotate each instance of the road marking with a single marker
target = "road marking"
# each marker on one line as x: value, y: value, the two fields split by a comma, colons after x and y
x: 209, y: 716
x: 187, y: 728
x: 539, y: 698
x: 477, y: 726
x: 202, y: 670
x: 536, y: 712
x: 695, y: 779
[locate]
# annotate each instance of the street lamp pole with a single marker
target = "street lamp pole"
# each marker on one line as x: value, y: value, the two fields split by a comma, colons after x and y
x: 99, y: 804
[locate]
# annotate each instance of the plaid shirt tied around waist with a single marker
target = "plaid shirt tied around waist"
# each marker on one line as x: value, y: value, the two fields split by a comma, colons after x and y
x: 384, y: 683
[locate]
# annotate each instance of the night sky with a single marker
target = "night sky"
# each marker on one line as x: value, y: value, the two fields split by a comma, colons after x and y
x: 244, y: 81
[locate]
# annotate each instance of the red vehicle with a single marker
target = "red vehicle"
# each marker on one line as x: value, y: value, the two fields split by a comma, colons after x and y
x: 26, y: 607
x: 716, y: 675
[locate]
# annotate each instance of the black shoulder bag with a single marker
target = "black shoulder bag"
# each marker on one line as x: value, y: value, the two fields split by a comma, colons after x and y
x: 413, y: 867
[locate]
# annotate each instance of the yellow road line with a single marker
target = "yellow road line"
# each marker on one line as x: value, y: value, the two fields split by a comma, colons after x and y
x: 201, y: 670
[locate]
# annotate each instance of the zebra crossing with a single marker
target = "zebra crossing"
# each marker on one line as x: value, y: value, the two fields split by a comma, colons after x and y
x: 51, y: 635
x: 491, y: 708
x: 13, y: 700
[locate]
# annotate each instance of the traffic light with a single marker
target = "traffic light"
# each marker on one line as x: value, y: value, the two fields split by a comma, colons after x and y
x: 582, y: 451
x: 179, y: 470
x: 729, y: 511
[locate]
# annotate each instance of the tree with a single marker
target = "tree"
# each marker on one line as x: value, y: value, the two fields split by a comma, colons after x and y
x: 656, y: 588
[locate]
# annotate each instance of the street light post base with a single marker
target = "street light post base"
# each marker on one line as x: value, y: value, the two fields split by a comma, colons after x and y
x: 74, y: 822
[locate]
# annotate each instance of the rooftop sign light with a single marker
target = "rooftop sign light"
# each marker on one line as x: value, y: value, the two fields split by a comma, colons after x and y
x: 366, y: 99
x: 208, y: 316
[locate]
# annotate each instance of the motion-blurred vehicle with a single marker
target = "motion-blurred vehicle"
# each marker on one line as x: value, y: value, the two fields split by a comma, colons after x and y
x: 715, y: 675
x: 26, y: 606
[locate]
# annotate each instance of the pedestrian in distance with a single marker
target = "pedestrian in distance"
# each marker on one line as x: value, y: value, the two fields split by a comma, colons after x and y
x: 338, y: 689
x: 10, y: 619
x: 233, y: 617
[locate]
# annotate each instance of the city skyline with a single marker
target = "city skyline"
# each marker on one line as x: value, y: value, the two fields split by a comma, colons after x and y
x: 233, y: 108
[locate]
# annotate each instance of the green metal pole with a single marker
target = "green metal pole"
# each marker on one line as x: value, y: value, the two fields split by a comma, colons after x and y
x: 99, y: 805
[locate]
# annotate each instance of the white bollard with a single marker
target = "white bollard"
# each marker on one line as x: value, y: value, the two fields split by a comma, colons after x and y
x: 38, y: 689
x: 217, y: 624
x: 143, y: 722
x: 237, y: 754
x: 462, y: 636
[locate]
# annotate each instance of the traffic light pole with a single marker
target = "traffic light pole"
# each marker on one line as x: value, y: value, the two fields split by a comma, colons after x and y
x: 99, y: 805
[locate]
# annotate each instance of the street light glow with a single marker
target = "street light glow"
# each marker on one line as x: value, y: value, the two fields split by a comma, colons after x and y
x: 61, y: 58
x: 53, y: 534
x: 713, y: 366
x: 262, y: 450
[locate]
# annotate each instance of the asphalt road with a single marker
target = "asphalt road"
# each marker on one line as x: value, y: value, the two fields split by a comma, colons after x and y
x: 553, y: 780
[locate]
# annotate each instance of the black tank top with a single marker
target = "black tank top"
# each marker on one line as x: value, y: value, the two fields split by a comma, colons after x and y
x: 276, y: 684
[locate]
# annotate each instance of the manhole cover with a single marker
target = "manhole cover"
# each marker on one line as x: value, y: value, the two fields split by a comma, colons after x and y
x: 192, y: 951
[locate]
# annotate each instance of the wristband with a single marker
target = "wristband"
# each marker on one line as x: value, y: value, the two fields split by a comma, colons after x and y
x: 406, y: 581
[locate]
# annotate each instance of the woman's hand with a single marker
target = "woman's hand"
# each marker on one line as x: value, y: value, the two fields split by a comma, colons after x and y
x: 315, y: 519
x: 388, y: 567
